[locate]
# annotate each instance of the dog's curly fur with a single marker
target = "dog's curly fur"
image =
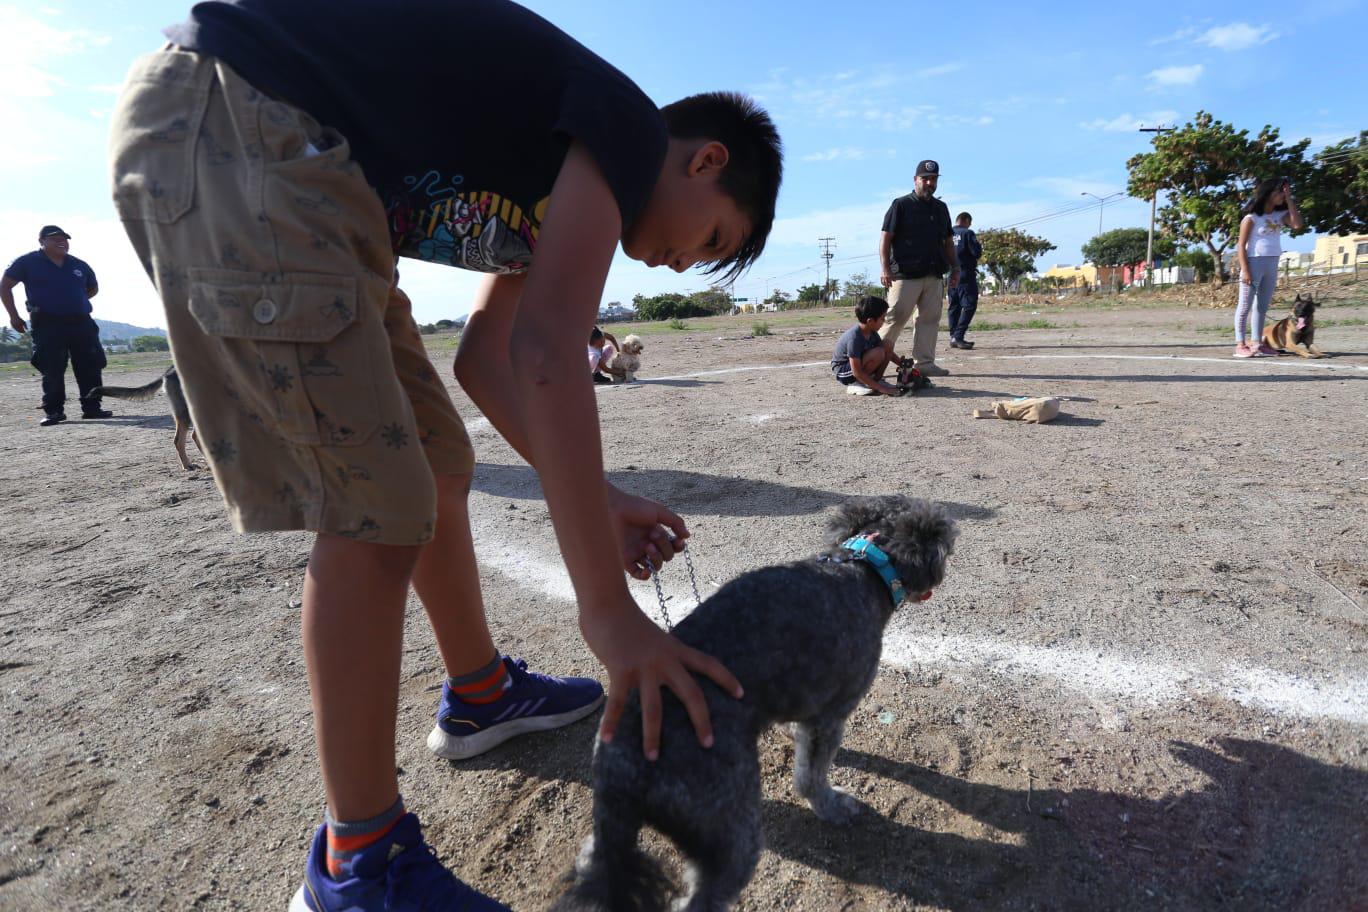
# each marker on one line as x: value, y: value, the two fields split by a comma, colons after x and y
x: 623, y: 366
x: 804, y: 640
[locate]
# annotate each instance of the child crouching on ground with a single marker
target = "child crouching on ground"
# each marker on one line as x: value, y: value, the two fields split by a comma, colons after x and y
x: 860, y: 359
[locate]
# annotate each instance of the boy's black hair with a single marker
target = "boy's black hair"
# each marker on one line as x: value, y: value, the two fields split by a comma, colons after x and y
x: 962, y: 217
x: 1259, y: 204
x: 869, y: 307
x: 595, y: 333
x: 755, y: 163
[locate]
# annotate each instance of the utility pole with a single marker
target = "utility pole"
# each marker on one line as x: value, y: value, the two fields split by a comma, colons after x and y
x: 828, y: 245
x: 1154, y: 202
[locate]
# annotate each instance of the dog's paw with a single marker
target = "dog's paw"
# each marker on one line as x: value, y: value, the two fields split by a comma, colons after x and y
x: 838, y: 806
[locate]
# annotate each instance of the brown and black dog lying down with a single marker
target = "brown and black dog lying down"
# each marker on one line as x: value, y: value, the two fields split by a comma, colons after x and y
x: 170, y: 381
x: 1297, y: 330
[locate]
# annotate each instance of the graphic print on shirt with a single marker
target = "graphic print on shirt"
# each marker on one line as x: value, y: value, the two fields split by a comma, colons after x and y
x: 434, y: 220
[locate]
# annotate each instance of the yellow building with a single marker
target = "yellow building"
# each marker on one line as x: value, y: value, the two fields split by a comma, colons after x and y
x: 1336, y: 251
x: 1072, y: 276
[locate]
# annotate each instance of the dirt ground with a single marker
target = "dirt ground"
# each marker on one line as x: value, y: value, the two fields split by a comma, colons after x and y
x: 1143, y: 685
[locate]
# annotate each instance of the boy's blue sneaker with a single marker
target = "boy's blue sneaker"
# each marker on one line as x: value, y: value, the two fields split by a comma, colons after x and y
x: 398, y: 873
x: 534, y: 702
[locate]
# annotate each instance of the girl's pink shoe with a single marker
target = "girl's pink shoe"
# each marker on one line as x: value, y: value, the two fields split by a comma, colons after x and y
x: 1243, y: 351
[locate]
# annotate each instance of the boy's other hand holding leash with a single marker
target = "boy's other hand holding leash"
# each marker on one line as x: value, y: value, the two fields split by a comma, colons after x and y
x: 645, y: 530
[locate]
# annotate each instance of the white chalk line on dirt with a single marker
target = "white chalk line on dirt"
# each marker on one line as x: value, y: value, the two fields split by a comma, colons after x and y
x: 1251, y: 362
x: 1088, y: 672
x: 1084, y: 671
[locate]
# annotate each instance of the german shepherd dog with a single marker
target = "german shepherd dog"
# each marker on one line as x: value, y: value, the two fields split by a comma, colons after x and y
x: 169, y: 381
x: 1297, y: 330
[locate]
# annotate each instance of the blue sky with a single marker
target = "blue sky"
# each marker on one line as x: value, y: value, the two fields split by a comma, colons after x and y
x: 1025, y: 110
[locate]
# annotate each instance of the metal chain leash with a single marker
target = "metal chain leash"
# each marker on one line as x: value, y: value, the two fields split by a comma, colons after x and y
x: 660, y: 592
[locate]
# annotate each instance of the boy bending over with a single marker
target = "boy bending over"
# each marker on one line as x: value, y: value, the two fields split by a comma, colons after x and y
x: 268, y: 165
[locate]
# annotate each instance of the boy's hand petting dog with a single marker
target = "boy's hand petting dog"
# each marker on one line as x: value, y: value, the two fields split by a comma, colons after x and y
x: 639, y: 655
x: 646, y: 531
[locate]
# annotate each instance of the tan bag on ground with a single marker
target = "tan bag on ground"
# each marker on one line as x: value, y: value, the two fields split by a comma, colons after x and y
x: 1036, y: 410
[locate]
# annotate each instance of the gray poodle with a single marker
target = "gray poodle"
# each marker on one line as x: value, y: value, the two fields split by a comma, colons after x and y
x: 804, y: 640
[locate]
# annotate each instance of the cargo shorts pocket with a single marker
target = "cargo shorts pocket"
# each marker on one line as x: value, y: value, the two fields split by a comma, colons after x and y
x: 296, y: 351
x: 155, y: 135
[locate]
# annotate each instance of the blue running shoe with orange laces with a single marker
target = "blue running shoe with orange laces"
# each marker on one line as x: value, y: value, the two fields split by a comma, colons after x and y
x: 533, y: 702
x: 398, y: 873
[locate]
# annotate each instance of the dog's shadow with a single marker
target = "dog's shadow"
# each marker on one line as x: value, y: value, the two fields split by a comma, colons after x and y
x: 1269, y: 828
x: 694, y: 492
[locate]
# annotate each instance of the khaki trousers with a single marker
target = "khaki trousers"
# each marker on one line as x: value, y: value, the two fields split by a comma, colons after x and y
x: 919, y: 300
x: 299, y: 356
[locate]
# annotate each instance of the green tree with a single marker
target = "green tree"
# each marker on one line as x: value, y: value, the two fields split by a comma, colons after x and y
x: 1335, y: 198
x: 6, y: 334
x: 711, y: 300
x: 1010, y: 253
x: 810, y: 295
x: 1124, y: 246
x: 668, y: 306
x: 859, y: 284
x: 150, y: 344
x: 1207, y: 169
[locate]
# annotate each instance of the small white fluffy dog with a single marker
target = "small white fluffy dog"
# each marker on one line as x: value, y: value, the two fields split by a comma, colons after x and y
x: 623, y: 366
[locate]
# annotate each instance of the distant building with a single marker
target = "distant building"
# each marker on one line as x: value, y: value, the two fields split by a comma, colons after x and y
x: 616, y: 312
x: 1072, y: 276
x: 1295, y: 259
x: 1338, y: 251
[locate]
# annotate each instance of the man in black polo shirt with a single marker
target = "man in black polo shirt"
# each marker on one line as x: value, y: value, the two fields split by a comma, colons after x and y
x: 59, y: 288
x: 916, y: 248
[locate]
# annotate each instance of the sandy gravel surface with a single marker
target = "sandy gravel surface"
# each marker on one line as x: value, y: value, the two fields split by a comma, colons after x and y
x: 1143, y: 686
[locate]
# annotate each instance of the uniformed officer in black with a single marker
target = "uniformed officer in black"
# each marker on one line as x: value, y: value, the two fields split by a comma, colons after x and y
x: 58, y: 287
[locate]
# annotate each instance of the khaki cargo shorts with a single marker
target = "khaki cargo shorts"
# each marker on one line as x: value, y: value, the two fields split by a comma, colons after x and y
x: 307, y: 379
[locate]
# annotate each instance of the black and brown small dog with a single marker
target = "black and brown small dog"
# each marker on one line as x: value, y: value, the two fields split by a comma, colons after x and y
x: 169, y: 381
x: 1297, y: 330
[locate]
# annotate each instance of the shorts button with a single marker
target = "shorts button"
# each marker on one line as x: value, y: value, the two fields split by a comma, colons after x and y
x: 264, y: 311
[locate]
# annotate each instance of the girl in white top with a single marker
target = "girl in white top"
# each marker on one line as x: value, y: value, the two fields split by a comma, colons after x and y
x: 1259, y: 247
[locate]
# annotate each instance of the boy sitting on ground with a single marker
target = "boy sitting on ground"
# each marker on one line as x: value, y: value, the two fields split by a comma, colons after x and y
x: 860, y: 358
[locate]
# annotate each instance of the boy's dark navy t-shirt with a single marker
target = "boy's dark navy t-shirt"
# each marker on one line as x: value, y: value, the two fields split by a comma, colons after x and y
x: 52, y: 290
x: 459, y: 112
x: 852, y: 344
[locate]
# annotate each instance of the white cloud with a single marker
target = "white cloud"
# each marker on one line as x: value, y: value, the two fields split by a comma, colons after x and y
x: 848, y: 153
x: 1174, y: 76
x: 1128, y: 123
x: 941, y: 70
x: 1181, y: 35
x: 1237, y: 36
x: 34, y: 53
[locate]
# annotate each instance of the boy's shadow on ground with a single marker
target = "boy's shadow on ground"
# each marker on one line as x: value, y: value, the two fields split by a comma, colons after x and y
x: 1270, y: 829
x: 694, y: 492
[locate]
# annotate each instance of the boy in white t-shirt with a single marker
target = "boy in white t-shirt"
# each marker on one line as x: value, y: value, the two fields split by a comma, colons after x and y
x: 1259, y: 247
